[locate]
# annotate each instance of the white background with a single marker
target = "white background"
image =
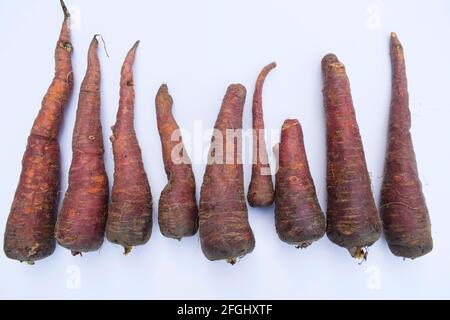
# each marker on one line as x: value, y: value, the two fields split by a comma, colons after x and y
x: 198, y: 48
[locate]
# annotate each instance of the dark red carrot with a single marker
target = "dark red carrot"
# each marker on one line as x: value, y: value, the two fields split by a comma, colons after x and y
x: 224, y: 229
x: 404, y: 212
x: 352, y: 218
x: 177, y: 210
x: 260, y: 191
x: 29, y: 234
x: 298, y: 218
x: 129, y: 221
x: 80, y: 226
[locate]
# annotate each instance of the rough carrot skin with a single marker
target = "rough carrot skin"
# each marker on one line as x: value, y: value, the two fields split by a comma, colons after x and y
x: 260, y: 191
x: 352, y: 218
x: 404, y: 212
x: 80, y: 226
x: 298, y: 218
x: 177, y: 211
x: 225, y: 232
x: 129, y: 221
x: 29, y: 234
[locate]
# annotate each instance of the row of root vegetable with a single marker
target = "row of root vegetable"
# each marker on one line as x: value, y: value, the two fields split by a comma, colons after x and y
x: 352, y: 219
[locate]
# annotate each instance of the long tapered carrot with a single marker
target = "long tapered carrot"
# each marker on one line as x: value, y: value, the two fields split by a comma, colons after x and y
x: 404, y: 212
x: 177, y: 210
x: 353, y: 221
x: 129, y: 221
x: 260, y: 191
x: 225, y: 232
x: 298, y: 218
x: 80, y: 226
x: 31, y: 222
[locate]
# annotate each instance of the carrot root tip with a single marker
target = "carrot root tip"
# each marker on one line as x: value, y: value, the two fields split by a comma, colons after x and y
x: 104, y: 43
x: 359, y: 253
x: 65, y: 10
x: 127, y: 250
x: 303, y: 245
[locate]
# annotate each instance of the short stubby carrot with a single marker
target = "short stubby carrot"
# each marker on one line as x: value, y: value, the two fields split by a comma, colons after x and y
x: 80, y: 226
x: 29, y: 234
x: 177, y: 209
x: 225, y: 232
x: 353, y: 221
x: 129, y: 221
x: 404, y: 212
x: 298, y: 218
x: 260, y: 191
